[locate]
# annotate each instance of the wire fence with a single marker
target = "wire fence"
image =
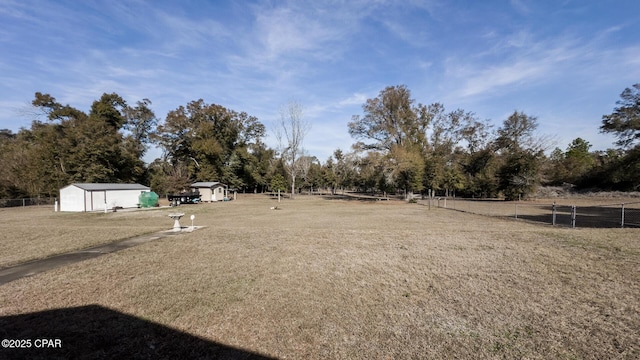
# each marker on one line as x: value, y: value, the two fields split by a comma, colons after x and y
x: 27, y: 202
x: 617, y: 215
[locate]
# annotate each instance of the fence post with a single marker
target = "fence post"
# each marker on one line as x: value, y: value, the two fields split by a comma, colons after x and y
x: 553, y: 214
x: 573, y: 216
x: 622, y: 219
x: 23, y: 205
x: 516, y: 211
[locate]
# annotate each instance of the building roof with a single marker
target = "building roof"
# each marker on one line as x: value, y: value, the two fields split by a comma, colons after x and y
x: 109, y: 186
x: 206, y: 184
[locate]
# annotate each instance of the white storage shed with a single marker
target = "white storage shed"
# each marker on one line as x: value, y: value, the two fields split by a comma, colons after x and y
x: 97, y: 197
x: 210, y: 191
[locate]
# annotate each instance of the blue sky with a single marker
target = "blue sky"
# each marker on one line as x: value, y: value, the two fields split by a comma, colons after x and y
x: 565, y: 62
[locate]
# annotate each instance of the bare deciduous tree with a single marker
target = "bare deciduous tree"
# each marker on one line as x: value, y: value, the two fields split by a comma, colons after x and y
x: 290, y: 134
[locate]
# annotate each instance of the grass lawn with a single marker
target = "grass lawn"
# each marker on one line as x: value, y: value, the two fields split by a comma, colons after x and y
x: 323, y: 278
x: 29, y: 233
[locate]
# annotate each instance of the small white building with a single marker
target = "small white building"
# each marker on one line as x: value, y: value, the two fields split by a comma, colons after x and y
x: 97, y: 197
x: 210, y: 191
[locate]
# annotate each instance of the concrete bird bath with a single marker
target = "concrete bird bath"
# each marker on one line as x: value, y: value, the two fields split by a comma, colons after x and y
x: 176, y: 223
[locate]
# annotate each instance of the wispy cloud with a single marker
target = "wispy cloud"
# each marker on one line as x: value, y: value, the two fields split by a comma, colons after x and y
x: 490, y: 79
x: 284, y: 31
x: 355, y: 99
x: 520, y: 6
x: 186, y: 32
x: 524, y: 60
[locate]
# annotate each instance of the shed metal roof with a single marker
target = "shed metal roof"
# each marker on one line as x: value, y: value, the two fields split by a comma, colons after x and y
x: 207, y: 184
x: 109, y: 186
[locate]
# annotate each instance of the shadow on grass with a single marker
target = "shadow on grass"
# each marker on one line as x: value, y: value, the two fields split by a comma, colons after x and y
x: 96, y: 332
x: 598, y: 217
x: 358, y: 197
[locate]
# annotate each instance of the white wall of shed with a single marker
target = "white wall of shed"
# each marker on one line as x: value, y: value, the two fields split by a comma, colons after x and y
x: 116, y: 198
x: 95, y: 200
x: 218, y: 193
x: 72, y: 199
x: 206, y: 194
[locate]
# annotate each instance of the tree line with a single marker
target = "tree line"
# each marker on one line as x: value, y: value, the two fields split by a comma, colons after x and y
x: 421, y: 148
x: 400, y: 147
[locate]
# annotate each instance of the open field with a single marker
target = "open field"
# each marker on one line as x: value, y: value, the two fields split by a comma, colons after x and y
x: 325, y: 278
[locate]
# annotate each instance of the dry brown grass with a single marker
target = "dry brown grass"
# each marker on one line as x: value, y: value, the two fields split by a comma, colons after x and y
x: 601, y: 212
x: 30, y: 233
x: 349, y: 279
